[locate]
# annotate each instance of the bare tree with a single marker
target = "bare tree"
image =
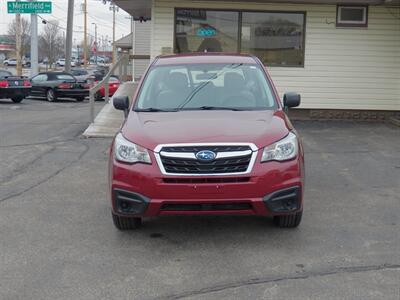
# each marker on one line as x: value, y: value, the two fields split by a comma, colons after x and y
x: 25, y: 34
x: 51, y: 42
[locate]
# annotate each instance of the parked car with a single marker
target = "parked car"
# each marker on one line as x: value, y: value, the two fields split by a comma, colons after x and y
x: 54, y: 85
x: 81, y: 74
x: 10, y: 62
x: 113, y: 85
x: 13, y: 62
x: 100, y: 59
x: 61, y: 62
x: 206, y: 134
x: 15, y: 87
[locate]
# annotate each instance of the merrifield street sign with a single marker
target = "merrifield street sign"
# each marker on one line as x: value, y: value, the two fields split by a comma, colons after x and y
x: 40, y: 7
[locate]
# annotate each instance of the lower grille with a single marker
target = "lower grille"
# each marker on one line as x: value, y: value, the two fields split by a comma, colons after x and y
x: 206, y: 207
x: 207, y: 180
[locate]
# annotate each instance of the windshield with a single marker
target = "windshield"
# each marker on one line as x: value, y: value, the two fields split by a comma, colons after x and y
x: 205, y: 86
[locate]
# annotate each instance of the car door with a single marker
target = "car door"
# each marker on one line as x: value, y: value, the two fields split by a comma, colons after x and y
x: 38, y: 85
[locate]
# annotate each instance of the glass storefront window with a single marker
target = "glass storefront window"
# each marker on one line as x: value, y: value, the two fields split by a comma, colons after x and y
x: 206, y: 31
x: 275, y: 38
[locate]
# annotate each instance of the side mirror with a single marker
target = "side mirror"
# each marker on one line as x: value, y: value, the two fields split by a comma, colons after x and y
x: 291, y: 100
x: 121, y: 103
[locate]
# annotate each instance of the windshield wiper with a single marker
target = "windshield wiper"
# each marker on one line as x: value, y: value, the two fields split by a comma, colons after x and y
x: 214, y: 108
x: 153, y: 109
x: 204, y: 83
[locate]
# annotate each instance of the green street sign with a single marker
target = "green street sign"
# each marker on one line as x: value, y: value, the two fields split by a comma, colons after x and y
x: 40, y: 7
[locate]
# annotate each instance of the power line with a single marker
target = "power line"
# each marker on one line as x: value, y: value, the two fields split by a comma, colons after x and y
x: 63, y: 28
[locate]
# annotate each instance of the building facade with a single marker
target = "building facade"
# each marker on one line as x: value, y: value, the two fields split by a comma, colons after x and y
x: 336, y: 55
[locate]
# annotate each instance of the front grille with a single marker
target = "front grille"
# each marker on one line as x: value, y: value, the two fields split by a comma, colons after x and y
x: 205, y: 206
x: 191, y: 166
x: 229, y: 159
x: 207, y: 180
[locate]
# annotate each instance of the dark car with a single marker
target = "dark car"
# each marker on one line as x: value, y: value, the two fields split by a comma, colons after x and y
x: 54, y: 85
x: 206, y: 134
x: 80, y: 74
x: 15, y: 87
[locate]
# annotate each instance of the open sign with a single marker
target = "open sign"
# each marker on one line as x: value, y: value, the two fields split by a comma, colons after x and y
x: 206, y: 32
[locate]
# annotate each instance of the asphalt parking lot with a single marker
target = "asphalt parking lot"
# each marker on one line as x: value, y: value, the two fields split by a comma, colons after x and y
x: 57, y: 240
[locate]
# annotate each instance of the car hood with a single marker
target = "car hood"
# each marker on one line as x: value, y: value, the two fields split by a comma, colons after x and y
x: 261, y: 128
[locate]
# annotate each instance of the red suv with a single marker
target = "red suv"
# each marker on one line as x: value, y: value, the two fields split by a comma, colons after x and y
x: 206, y: 134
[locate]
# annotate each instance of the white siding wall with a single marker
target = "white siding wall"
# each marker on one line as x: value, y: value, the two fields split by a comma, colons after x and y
x: 344, y: 68
x: 141, y: 46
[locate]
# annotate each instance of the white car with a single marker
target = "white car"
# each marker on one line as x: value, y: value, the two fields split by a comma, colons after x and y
x: 10, y: 62
x: 13, y: 62
x: 61, y: 63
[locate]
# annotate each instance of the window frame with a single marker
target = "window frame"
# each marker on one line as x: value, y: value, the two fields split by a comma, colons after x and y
x: 240, y: 19
x: 351, y: 24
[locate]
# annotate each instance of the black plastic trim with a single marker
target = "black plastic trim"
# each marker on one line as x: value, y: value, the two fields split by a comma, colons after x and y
x: 285, y: 200
x: 127, y: 202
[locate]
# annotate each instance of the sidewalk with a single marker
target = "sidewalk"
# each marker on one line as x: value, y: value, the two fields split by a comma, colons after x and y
x: 109, y: 120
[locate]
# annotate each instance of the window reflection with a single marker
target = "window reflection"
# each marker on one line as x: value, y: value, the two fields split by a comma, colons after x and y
x: 206, y: 31
x: 275, y: 38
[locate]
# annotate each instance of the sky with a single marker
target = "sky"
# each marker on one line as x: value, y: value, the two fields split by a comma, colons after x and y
x: 97, y: 13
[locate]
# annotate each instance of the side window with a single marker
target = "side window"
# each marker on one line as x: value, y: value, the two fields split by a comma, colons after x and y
x: 40, y: 78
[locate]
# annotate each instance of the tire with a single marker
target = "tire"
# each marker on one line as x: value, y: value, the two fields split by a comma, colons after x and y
x: 50, y: 95
x: 17, y: 99
x: 80, y: 99
x: 6, y: 64
x: 288, y: 221
x: 126, y: 223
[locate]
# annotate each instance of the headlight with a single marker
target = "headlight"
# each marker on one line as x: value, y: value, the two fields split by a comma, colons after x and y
x: 129, y: 152
x: 284, y: 149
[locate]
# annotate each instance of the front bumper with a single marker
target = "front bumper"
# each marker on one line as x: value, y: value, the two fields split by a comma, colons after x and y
x: 273, y: 188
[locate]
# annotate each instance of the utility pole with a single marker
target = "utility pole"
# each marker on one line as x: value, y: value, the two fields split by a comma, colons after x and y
x: 18, y: 43
x: 34, y: 45
x: 68, y: 42
x: 95, y: 41
x: 85, y: 48
x: 114, y: 8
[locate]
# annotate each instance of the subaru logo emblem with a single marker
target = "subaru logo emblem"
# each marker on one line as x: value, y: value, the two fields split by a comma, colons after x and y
x: 205, y: 155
